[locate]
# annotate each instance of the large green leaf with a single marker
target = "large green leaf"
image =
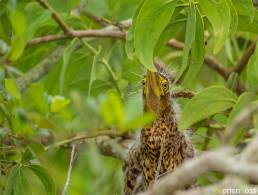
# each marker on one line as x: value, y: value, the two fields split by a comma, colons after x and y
x: 197, y: 52
x: 152, y: 19
x: 245, y: 7
x: 210, y: 101
x: 17, y: 182
x: 219, y: 14
x: 189, y: 38
x: 245, y: 24
x: 44, y: 177
x: 129, y: 44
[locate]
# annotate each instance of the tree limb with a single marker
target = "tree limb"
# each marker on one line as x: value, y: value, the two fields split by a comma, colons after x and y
x: 55, y: 16
x: 78, y: 33
x: 40, y: 70
x: 219, y: 161
x: 85, y: 136
x: 246, y: 56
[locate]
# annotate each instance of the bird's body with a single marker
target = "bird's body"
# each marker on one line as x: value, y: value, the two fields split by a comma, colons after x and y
x: 161, y: 147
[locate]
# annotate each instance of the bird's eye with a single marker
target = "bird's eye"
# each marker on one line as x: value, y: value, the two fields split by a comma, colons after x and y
x: 143, y: 82
x: 165, y: 86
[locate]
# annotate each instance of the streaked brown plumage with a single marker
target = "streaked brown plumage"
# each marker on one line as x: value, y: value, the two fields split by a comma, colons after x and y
x: 161, y: 147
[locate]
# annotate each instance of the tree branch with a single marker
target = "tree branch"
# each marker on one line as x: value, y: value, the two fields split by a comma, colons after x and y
x: 209, y: 60
x: 85, y: 136
x: 219, y: 161
x: 39, y: 70
x: 55, y: 16
x: 80, y: 34
x: 244, y: 60
x: 183, y: 94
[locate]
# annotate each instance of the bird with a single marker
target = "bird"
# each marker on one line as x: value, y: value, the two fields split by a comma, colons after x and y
x: 160, y: 148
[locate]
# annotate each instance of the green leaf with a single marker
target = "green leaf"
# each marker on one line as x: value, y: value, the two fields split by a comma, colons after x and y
x: 35, y: 97
x: 189, y: 38
x: 17, y: 48
x: 210, y: 101
x: 245, y: 24
x: 44, y: 177
x: 18, y: 23
x: 245, y: 7
x: 12, y: 88
x: 241, y: 103
x: 129, y: 47
x: 93, y: 70
x: 234, y: 16
x: 58, y: 103
x: 17, y: 183
x: 129, y: 44
x: 66, y: 58
x: 232, y: 81
x: 11, y: 180
x: 198, y: 52
x: 252, y: 71
x: 153, y: 18
x: 172, y: 30
x: 218, y: 13
x: 113, y: 110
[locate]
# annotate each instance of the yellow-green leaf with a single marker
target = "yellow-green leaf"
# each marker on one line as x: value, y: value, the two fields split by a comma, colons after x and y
x: 12, y: 88
x: 58, y: 103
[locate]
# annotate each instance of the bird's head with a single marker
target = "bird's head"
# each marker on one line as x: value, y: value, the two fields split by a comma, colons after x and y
x: 156, y: 94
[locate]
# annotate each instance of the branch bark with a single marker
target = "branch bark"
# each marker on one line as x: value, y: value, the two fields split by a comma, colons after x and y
x: 40, y: 70
x: 55, y: 16
x: 80, y: 34
x: 245, y: 58
x: 219, y: 161
x: 85, y: 136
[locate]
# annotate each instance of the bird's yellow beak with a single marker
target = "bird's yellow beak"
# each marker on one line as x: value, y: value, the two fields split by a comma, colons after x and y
x: 152, y: 85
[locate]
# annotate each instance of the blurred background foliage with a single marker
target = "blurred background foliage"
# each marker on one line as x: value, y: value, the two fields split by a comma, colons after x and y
x: 95, y: 86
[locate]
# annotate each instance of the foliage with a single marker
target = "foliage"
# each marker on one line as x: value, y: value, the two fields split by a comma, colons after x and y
x: 53, y: 90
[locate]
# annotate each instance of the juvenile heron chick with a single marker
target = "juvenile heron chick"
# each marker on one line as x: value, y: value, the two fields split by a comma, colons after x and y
x: 161, y: 147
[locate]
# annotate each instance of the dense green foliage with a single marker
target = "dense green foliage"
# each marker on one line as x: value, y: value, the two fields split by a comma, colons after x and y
x: 54, y: 90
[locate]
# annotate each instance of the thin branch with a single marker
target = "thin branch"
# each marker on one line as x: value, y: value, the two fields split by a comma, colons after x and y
x: 39, y: 70
x: 218, y: 67
x: 68, y: 178
x: 84, y: 136
x: 100, y: 20
x: 219, y: 161
x: 79, y: 34
x: 215, y: 65
x: 209, y: 60
x: 245, y: 58
x: 112, y: 147
x: 183, y: 94
x: 55, y: 16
